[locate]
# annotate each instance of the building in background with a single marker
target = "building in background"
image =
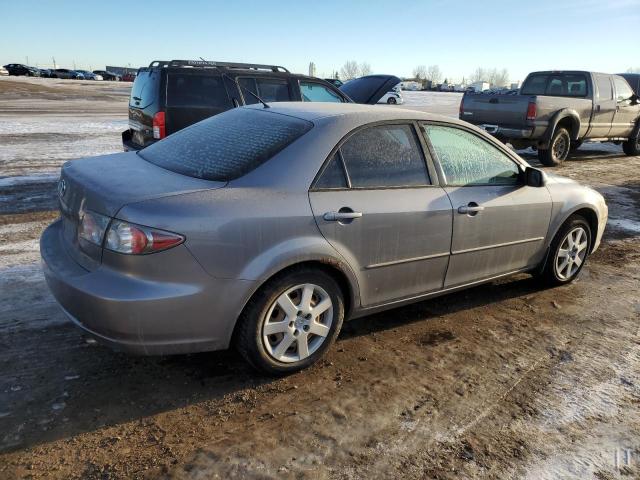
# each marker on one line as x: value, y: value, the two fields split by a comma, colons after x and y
x: 312, y: 69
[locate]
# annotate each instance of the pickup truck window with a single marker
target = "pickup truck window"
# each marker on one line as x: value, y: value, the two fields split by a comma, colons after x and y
x: 623, y: 90
x: 467, y: 159
x: 557, y: 85
x: 605, y: 91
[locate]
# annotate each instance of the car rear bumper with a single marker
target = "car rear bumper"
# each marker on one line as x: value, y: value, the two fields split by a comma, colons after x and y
x: 147, y: 316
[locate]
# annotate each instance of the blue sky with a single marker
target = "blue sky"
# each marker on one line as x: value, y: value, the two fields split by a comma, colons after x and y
x: 393, y: 37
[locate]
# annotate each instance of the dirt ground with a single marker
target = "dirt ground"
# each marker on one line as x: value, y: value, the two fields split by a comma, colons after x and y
x: 506, y: 380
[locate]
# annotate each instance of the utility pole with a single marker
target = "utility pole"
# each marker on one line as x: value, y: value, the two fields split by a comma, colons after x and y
x: 27, y: 57
x: 54, y: 62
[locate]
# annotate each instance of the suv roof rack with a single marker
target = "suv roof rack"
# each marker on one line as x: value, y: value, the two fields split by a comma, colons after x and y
x: 210, y: 64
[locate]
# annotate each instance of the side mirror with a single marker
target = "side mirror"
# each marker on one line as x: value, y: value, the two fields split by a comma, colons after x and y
x: 534, y: 177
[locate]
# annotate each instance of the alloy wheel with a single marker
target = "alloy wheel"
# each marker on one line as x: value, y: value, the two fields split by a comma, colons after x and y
x: 560, y: 148
x: 297, y: 323
x: 571, y: 253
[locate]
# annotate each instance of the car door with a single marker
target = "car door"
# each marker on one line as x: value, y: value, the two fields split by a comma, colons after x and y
x: 499, y: 223
x: 604, y: 107
x: 626, y: 114
x: 369, y: 89
x: 379, y: 204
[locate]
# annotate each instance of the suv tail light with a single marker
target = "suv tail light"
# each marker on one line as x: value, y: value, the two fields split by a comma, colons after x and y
x: 124, y: 237
x: 159, y: 130
x: 532, y: 111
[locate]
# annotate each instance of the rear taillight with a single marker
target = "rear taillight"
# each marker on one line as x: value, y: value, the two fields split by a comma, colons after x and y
x: 532, y: 111
x: 159, y: 130
x: 92, y: 227
x: 461, y: 112
x: 123, y: 237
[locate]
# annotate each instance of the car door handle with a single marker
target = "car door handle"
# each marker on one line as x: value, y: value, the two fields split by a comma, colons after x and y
x: 338, y: 216
x: 470, y: 209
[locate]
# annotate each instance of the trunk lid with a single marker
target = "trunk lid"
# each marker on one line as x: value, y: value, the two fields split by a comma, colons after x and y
x: 107, y: 183
x: 503, y: 110
x: 369, y: 89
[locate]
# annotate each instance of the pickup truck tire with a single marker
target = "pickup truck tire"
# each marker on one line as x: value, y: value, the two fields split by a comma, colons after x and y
x: 558, y: 150
x: 568, y: 252
x: 632, y: 146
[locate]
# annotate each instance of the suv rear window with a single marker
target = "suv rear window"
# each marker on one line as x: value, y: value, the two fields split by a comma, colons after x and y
x: 193, y: 90
x: 226, y: 146
x: 145, y: 89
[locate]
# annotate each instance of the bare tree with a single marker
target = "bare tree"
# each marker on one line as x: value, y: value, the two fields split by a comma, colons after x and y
x: 365, y: 69
x: 434, y: 74
x: 495, y: 77
x: 479, y: 75
x: 349, y: 70
x: 420, y: 72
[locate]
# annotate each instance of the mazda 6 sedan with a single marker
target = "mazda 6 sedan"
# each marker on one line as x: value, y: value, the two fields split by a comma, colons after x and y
x: 265, y: 228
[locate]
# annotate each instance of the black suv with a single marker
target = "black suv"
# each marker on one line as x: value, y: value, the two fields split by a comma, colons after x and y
x: 168, y: 96
x: 20, y: 69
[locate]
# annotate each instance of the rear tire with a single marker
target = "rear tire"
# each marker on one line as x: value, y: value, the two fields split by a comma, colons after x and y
x: 391, y: 101
x: 568, y: 252
x: 632, y: 146
x: 558, y: 150
x: 279, y: 333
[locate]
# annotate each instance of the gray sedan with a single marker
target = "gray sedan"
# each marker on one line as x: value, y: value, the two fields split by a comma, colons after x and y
x: 267, y: 227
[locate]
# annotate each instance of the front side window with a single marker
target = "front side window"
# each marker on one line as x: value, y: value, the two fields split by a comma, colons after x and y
x: 468, y: 159
x: 268, y: 89
x: 314, y: 92
x: 384, y: 156
x: 623, y: 90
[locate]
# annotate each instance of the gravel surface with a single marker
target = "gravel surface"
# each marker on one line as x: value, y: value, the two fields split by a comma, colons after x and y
x: 506, y: 380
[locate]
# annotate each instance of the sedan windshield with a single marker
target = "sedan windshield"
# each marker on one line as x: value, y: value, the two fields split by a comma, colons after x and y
x: 226, y: 146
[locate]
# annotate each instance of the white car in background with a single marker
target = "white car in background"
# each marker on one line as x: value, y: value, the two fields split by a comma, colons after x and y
x: 392, y: 97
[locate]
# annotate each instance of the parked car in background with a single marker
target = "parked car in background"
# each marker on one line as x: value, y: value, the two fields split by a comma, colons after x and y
x: 335, y: 82
x: 18, y: 69
x: 266, y: 227
x: 3, y: 72
x: 392, y: 97
x: 45, y: 72
x: 89, y: 75
x: 65, y: 73
x: 128, y: 77
x: 108, y: 75
x: 556, y: 111
x: 634, y: 81
x: 168, y: 96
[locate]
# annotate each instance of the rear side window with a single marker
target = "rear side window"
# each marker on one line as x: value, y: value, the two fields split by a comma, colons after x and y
x: 268, y: 89
x: 226, y: 146
x: 605, y: 90
x: 333, y: 175
x: 192, y: 90
x: 145, y: 89
x: 384, y: 156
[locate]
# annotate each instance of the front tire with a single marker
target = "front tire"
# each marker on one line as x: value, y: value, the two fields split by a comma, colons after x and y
x: 568, y: 252
x: 632, y: 146
x: 558, y: 150
x: 291, y: 322
x: 391, y: 101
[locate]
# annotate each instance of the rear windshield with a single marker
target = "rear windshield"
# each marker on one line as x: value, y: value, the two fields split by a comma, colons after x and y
x: 145, y: 89
x: 194, y: 90
x: 557, y: 85
x: 226, y: 146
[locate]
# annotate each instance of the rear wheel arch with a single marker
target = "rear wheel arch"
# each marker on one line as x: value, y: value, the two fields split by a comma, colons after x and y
x: 326, y: 265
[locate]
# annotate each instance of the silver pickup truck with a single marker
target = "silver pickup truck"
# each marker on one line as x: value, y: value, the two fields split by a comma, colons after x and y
x: 555, y: 112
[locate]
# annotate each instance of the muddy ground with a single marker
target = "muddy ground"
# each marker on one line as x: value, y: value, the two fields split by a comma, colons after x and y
x: 506, y: 380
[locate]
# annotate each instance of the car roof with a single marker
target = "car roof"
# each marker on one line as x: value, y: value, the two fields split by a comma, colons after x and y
x: 369, y: 113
